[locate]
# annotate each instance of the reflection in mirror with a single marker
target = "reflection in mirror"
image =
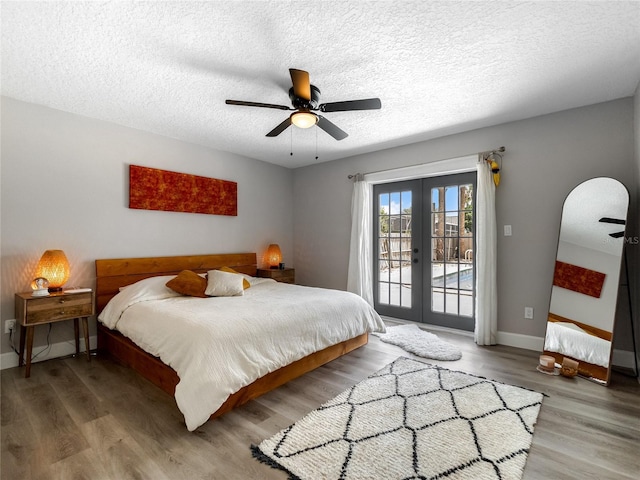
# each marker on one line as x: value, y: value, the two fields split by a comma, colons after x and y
x: 586, y: 277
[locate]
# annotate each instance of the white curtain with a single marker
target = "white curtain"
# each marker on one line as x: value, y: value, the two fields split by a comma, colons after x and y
x: 486, y: 257
x: 360, y: 273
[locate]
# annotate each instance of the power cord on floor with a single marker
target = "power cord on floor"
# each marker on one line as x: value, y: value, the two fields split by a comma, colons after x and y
x: 45, y: 349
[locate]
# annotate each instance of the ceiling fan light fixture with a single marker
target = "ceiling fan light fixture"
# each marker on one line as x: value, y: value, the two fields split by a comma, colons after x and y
x: 304, y: 119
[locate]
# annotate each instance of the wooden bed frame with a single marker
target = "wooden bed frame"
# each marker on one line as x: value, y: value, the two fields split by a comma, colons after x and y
x: 111, y: 274
x: 585, y: 369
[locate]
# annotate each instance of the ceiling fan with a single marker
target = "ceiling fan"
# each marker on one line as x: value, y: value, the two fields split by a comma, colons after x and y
x: 616, y: 221
x: 305, y: 99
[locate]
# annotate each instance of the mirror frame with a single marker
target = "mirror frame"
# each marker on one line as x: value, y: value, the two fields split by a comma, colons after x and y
x: 595, y: 373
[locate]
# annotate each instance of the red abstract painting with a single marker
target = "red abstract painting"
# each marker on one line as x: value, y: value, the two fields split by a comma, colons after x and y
x: 578, y: 279
x: 153, y: 189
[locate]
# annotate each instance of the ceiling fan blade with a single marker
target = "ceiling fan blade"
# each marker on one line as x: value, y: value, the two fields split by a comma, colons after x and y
x: 617, y: 221
x: 280, y: 128
x: 331, y: 128
x: 301, y: 84
x: 256, y: 104
x: 365, y: 104
x: 617, y: 234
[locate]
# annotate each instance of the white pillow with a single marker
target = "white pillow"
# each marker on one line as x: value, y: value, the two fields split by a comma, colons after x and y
x: 224, y: 284
x: 152, y: 288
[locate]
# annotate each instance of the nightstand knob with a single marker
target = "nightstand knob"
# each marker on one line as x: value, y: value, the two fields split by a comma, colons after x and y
x: 61, y: 300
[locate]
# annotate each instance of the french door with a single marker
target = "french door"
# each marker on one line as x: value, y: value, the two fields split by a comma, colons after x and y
x: 397, y: 267
x: 424, y: 266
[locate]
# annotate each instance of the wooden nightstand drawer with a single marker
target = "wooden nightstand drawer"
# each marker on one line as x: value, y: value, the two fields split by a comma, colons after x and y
x: 57, y: 312
x: 285, y: 275
x: 56, y: 307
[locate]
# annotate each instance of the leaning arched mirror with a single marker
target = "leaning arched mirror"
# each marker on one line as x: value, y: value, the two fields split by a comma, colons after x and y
x: 586, y: 277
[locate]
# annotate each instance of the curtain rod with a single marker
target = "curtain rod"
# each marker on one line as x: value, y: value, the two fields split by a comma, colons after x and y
x: 484, y: 154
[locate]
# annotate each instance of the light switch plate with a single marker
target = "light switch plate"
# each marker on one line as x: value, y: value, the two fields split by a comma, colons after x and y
x: 507, y: 230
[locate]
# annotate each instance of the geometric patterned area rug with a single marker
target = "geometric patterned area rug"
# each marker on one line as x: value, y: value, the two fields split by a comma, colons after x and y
x: 411, y: 420
x: 413, y: 339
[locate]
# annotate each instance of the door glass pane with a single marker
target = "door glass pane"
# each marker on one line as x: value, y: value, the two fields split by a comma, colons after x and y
x: 466, y: 277
x: 466, y: 224
x: 437, y: 275
x: 405, y: 222
x: 383, y: 225
x: 437, y: 300
x: 466, y: 303
x: 437, y: 224
x: 405, y: 202
x: 437, y: 199
x: 383, y: 292
x: 383, y: 275
x: 451, y: 302
x: 394, y: 294
x: 383, y: 207
x: 466, y: 197
x: 437, y: 249
x: 406, y: 252
x: 451, y: 198
x: 451, y: 275
x: 451, y: 250
x: 394, y: 207
x: 405, y: 286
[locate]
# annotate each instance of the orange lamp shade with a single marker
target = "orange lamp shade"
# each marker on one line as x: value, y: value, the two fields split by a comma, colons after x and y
x: 54, y: 266
x: 274, y: 255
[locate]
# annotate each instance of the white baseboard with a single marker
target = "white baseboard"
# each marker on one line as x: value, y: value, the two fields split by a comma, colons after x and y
x: 528, y: 342
x: 60, y: 349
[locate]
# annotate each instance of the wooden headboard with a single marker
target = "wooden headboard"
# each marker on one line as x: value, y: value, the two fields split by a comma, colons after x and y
x: 113, y: 273
x: 598, y: 332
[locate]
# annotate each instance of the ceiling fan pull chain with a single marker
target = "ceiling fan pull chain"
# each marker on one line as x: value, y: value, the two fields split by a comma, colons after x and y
x: 316, y: 144
x: 291, y: 137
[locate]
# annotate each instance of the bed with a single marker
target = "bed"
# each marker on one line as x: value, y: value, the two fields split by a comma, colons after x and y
x: 289, y: 330
x: 589, y: 346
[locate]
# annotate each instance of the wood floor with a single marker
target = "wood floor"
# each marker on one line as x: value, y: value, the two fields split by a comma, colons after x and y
x: 75, y: 420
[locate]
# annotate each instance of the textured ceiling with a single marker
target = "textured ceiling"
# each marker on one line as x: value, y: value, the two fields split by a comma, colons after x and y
x: 438, y: 67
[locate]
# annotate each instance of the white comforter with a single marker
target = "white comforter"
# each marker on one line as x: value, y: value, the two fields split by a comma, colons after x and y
x: 569, y: 339
x: 218, y: 345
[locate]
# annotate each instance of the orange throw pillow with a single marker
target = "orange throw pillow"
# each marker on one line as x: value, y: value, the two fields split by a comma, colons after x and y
x: 188, y: 283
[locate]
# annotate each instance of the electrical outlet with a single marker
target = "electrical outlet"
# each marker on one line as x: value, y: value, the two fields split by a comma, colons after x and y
x: 528, y: 312
x: 9, y: 325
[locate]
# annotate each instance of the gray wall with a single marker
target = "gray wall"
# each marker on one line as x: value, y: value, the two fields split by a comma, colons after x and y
x: 546, y: 157
x: 65, y: 186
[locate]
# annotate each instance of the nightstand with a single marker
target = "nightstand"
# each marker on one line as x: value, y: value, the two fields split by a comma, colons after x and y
x: 56, y: 307
x: 285, y: 275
